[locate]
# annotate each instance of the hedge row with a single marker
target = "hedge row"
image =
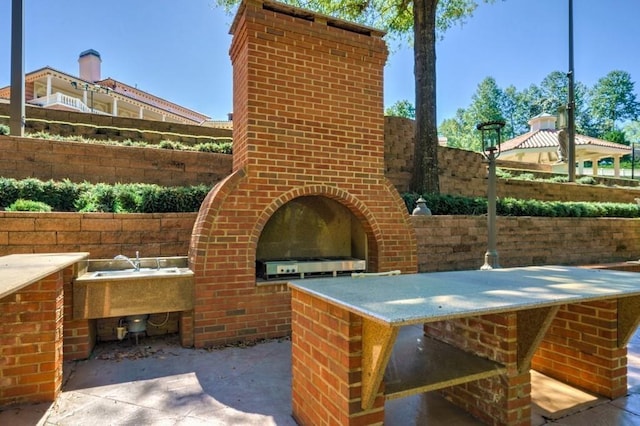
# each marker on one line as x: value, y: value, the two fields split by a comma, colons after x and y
x: 66, y: 196
x: 443, y: 204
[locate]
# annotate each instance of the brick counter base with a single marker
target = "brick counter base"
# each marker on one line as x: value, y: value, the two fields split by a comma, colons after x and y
x: 326, y: 335
x: 31, y: 342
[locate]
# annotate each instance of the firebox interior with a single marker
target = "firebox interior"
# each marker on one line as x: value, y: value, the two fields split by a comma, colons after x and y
x: 308, y: 229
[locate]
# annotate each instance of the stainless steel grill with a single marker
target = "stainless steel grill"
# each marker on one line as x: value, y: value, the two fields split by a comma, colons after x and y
x: 305, y: 267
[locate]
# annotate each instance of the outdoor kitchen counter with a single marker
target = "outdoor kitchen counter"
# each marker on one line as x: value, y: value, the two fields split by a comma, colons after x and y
x: 385, y: 304
x: 20, y: 270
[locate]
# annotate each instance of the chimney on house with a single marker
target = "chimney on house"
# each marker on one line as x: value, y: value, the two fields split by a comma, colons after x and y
x: 90, y: 61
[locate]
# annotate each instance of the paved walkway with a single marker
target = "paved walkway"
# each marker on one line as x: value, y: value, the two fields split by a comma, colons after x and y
x: 158, y: 382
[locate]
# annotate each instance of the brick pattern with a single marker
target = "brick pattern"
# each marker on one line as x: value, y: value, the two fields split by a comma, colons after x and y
x: 327, y: 366
x: 501, y: 400
x: 447, y: 243
x: 79, y: 335
x: 464, y: 172
x: 444, y: 243
x: 31, y: 323
x: 79, y: 162
x: 581, y: 348
x: 103, y: 235
x: 307, y: 122
x: 461, y: 172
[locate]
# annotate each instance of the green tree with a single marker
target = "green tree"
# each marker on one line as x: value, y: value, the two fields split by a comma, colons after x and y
x: 616, y: 136
x: 553, y: 93
x: 402, y: 108
x: 613, y: 100
x: 459, y: 131
x: 414, y: 21
x: 515, y: 111
x: 632, y: 131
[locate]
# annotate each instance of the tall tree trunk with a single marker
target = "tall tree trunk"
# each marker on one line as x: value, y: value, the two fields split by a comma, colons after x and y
x: 425, y: 168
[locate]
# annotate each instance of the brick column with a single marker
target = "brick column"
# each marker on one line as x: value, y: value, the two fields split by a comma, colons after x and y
x: 31, y: 342
x: 79, y: 335
x: 500, y: 400
x: 581, y: 349
x: 326, y: 365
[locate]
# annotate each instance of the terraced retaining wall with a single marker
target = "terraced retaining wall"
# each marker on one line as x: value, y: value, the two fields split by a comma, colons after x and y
x: 48, y: 159
x: 98, y: 126
x: 445, y: 243
x: 461, y: 172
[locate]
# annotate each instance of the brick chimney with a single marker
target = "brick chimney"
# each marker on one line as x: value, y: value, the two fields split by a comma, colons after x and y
x: 308, y: 123
x: 89, y: 62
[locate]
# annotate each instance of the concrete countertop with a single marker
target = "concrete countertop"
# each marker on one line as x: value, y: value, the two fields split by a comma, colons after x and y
x: 20, y: 270
x: 417, y: 298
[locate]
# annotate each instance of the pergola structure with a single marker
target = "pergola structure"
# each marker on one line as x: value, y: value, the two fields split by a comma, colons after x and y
x: 540, y: 146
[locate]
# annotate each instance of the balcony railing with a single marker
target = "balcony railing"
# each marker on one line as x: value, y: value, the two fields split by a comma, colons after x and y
x: 65, y: 100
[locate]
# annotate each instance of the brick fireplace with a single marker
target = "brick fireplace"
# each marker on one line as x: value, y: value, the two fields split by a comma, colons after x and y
x: 308, y: 128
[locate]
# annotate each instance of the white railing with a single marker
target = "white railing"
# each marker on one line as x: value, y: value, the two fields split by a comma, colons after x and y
x: 68, y: 101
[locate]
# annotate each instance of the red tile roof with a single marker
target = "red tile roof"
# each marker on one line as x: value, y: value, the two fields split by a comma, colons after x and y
x: 548, y: 138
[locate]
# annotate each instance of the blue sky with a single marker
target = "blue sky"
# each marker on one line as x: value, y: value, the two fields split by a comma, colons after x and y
x: 178, y: 50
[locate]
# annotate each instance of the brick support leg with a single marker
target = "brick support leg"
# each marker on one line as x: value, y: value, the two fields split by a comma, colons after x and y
x: 501, y: 400
x: 31, y: 342
x: 581, y: 348
x: 326, y: 366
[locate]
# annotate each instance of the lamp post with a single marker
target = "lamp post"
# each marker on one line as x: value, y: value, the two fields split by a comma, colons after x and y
x: 490, y: 132
x: 95, y: 88
x: 571, y: 107
x: 16, y: 104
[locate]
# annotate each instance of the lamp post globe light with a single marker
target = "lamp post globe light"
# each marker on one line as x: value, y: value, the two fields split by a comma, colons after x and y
x: 490, y: 132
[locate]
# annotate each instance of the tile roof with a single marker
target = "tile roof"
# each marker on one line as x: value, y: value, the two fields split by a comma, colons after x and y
x: 548, y: 138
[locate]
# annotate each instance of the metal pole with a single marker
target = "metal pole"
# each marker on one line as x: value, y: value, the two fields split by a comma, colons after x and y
x: 491, y: 256
x: 571, y: 113
x: 16, y: 106
x: 633, y: 158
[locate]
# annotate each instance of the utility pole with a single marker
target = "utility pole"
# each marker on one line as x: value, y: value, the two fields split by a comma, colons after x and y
x: 16, y: 106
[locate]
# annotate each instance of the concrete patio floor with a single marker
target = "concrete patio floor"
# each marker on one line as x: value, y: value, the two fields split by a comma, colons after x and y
x: 157, y: 382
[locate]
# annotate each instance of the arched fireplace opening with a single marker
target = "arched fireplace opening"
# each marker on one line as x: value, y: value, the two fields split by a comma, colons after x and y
x: 311, y: 236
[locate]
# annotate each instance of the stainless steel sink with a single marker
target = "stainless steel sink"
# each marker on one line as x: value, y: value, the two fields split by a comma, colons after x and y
x: 111, y: 288
x: 143, y: 272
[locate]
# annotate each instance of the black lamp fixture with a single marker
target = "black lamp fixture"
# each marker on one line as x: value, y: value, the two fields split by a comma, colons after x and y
x: 490, y: 132
x: 91, y: 88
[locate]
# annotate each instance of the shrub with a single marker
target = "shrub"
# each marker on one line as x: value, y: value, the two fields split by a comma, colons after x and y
x: 166, y: 144
x: 9, y: 191
x: 525, y: 176
x: 21, y: 205
x: 587, y: 180
x: 503, y: 174
x: 4, y: 129
x: 443, y: 204
x: 217, y: 147
x: 31, y: 189
x: 559, y: 179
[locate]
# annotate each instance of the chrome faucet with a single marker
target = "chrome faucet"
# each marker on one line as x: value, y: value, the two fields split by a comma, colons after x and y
x: 134, y: 263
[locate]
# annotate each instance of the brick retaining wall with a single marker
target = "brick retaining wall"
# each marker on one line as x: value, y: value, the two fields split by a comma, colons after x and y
x: 461, y: 172
x: 103, y: 235
x: 444, y: 243
x: 79, y: 162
